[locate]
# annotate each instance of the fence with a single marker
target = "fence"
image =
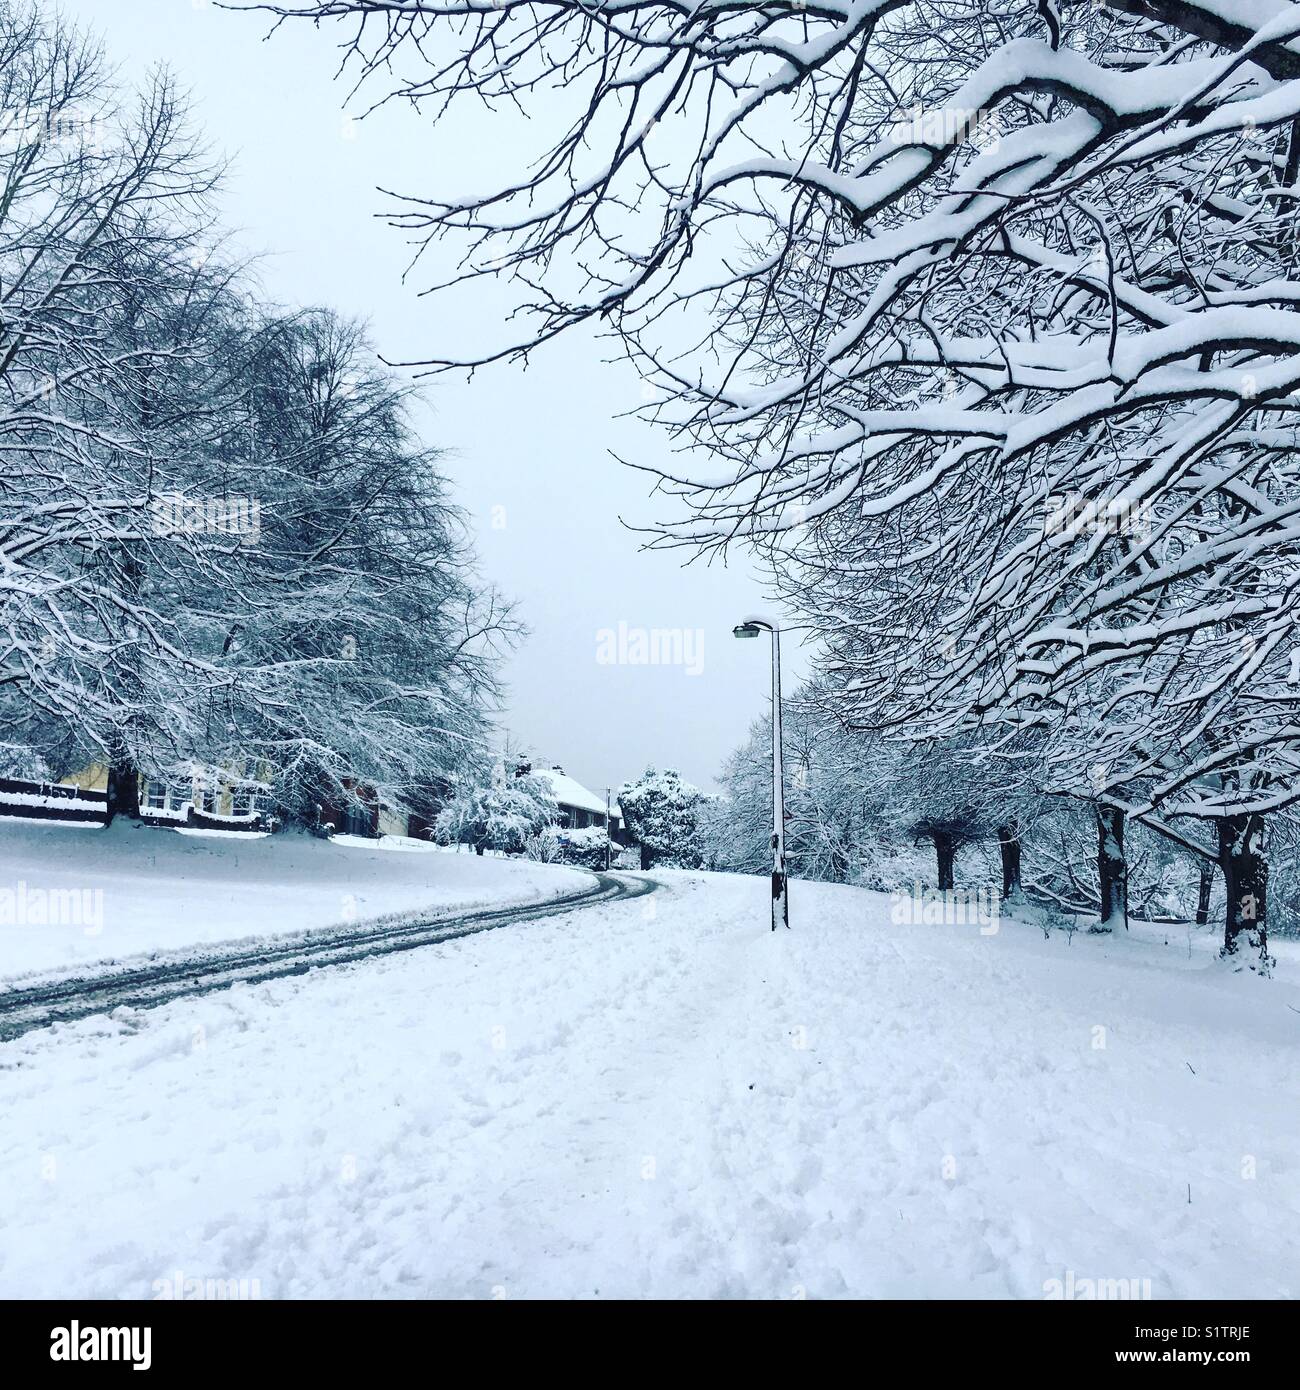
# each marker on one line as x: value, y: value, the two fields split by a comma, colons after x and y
x: 52, y: 801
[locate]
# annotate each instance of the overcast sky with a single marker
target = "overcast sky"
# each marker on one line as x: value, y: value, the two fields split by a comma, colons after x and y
x: 530, y: 449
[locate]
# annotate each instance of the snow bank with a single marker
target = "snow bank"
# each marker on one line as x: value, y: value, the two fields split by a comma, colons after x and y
x: 69, y: 897
x: 661, y: 1097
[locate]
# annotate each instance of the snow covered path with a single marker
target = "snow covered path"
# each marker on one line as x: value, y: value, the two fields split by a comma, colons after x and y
x: 663, y: 1098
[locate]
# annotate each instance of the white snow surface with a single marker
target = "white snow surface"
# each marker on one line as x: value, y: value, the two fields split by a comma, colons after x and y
x: 661, y: 1097
x: 163, y: 889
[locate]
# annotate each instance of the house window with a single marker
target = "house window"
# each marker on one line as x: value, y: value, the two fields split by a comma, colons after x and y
x: 245, y: 801
x: 161, y: 796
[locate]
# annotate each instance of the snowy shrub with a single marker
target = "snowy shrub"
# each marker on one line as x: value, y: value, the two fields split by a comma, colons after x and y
x: 503, y: 816
x: 586, y: 848
x: 544, y: 847
x: 662, y: 812
x: 1048, y: 917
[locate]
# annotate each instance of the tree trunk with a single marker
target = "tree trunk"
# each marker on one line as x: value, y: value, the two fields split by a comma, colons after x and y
x: 123, y: 774
x: 123, y: 787
x: 1245, y: 876
x: 1009, y: 848
x: 945, y: 852
x: 1112, y: 868
x: 1203, y: 891
x: 645, y: 856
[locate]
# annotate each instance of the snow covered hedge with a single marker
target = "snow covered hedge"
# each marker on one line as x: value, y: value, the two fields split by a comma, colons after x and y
x: 586, y: 848
x: 663, y: 813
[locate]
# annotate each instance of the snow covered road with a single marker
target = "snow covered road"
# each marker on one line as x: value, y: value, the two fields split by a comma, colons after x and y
x: 160, y: 978
x: 660, y: 1097
x: 133, y: 889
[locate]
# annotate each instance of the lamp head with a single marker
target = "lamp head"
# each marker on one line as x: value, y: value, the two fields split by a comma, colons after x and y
x: 745, y: 630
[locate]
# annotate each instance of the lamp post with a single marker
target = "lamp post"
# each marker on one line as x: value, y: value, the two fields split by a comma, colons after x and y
x: 751, y: 627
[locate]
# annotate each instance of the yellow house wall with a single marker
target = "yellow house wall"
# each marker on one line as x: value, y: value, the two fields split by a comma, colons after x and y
x: 90, y: 779
x: 94, y: 777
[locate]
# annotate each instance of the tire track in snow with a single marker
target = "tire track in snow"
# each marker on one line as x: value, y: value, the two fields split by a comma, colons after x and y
x: 65, y: 1001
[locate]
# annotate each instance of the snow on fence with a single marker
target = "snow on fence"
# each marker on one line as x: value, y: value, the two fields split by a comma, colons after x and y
x: 52, y: 801
x: 188, y: 816
x: 210, y: 820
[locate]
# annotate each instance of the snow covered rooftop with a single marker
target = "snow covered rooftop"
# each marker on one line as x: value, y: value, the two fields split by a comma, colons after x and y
x: 569, y: 792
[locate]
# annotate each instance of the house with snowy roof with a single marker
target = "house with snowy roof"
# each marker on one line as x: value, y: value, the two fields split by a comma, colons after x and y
x: 579, y: 808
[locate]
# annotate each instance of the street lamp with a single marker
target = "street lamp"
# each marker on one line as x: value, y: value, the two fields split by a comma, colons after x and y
x: 751, y: 627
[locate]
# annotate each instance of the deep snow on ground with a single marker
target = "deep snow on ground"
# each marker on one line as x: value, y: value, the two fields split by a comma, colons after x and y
x: 138, y: 888
x: 661, y: 1097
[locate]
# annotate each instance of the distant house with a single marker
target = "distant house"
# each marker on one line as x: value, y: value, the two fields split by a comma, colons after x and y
x: 232, y: 798
x: 241, y: 799
x: 220, y: 799
x: 228, y: 799
x: 364, y: 813
x: 579, y: 808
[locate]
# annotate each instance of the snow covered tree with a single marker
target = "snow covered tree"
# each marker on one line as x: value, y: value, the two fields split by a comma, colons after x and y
x: 362, y: 648
x: 588, y: 848
x: 830, y: 794
x: 504, y: 814
x: 661, y: 812
x: 103, y: 209
x: 222, y: 544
